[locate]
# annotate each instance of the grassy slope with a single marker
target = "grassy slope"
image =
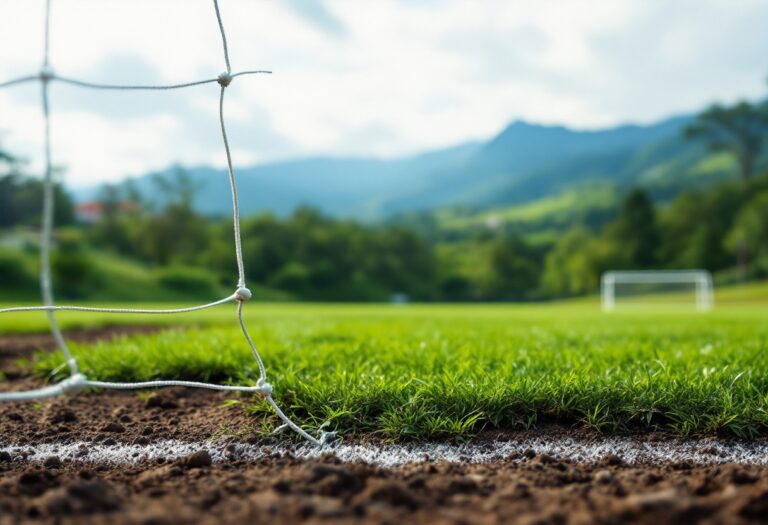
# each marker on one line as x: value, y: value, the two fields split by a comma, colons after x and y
x: 110, y: 277
x: 558, y: 210
x: 428, y: 371
x: 567, y: 204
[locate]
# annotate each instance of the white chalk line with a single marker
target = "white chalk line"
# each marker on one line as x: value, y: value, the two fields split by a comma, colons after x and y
x: 632, y: 451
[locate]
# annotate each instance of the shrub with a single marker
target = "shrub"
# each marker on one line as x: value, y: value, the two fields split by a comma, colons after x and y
x: 73, y: 274
x: 15, y: 273
x: 186, y: 280
x: 70, y: 240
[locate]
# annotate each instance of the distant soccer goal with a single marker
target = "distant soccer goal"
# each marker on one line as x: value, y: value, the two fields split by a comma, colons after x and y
x: 658, y: 281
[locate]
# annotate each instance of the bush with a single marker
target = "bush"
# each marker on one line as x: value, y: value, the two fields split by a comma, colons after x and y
x: 15, y: 273
x: 186, y: 280
x: 73, y: 274
x: 70, y: 240
x: 292, y: 277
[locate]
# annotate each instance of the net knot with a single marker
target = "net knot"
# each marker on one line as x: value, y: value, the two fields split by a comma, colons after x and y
x: 266, y: 388
x: 224, y: 79
x: 46, y: 74
x: 243, y: 294
x: 74, y: 382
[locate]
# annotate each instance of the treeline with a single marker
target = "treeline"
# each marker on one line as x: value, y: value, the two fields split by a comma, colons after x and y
x: 310, y: 256
x: 314, y: 257
x: 21, y: 198
x: 723, y: 229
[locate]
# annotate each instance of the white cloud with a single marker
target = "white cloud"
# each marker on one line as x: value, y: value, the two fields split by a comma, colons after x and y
x: 384, y: 77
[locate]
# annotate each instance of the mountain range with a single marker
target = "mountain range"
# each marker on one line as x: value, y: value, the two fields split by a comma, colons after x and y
x: 523, y: 165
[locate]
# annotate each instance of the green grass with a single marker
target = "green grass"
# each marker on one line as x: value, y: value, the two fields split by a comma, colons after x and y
x: 423, y: 372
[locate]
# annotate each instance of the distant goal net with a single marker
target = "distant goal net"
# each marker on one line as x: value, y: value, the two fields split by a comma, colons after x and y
x: 654, y: 286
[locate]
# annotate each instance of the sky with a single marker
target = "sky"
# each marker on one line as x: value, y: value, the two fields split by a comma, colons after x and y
x: 378, y: 78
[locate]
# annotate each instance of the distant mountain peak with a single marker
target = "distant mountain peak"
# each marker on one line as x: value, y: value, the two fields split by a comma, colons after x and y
x: 525, y: 161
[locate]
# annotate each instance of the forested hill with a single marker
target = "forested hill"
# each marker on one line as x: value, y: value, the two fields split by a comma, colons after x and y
x: 522, y: 164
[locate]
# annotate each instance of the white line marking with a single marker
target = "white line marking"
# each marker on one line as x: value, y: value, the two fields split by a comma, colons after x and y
x: 393, y: 455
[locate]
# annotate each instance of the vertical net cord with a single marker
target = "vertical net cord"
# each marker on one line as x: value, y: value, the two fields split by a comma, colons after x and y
x: 224, y: 81
x: 262, y: 369
x: 223, y: 35
x: 233, y: 188
x: 47, y: 33
x: 46, y: 286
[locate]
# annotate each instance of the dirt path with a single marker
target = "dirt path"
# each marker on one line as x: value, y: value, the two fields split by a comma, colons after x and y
x: 524, y: 486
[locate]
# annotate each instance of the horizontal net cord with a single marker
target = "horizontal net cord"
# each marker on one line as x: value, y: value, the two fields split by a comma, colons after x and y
x: 96, y: 309
x: 258, y: 389
x: 34, y: 395
x: 78, y: 381
x: 159, y: 87
x: 69, y: 384
x: 21, y: 80
x: 49, y: 77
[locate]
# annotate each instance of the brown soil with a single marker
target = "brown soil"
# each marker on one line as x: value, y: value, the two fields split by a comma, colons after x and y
x: 523, y: 489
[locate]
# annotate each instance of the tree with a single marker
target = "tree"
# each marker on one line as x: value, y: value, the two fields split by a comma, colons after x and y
x: 513, y: 270
x: 177, y: 234
x: 112, y: 230
x: 178, y: 187
x: 694, y: 224
x: 21, y: 202
x: 751, y: 231
x: 635, y: 232
x: 739, y: 130
x: 575, y: 263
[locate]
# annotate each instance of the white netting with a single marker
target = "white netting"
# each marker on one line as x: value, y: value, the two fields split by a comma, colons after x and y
x: 76, y: 380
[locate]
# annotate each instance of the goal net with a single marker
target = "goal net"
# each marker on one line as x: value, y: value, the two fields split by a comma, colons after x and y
x: 657, y: 286
x: 77, y: 380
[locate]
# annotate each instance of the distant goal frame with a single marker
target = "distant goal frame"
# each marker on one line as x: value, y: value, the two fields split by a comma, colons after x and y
x: 701, y: 279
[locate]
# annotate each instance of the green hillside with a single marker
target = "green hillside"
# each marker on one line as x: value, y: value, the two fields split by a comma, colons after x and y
x: 590, y: 192
x: 555, y: 212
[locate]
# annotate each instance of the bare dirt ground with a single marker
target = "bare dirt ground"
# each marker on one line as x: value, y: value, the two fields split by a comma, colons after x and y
x: 524, y: 487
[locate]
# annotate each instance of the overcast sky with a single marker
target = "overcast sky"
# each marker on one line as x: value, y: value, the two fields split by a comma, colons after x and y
x: 362, y: 77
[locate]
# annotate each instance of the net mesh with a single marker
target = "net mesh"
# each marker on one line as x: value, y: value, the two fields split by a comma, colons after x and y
x: 240, y: 296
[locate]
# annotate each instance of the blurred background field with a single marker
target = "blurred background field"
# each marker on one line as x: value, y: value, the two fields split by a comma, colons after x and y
x: 732, y: 302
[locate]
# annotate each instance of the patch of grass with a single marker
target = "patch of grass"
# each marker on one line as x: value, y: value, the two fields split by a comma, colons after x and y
x: 424, y: 372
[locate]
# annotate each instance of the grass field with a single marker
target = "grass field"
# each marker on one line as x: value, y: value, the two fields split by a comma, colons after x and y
x: 430, y: 371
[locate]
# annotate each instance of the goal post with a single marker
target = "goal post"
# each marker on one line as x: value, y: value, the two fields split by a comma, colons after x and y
x: 700, y: 279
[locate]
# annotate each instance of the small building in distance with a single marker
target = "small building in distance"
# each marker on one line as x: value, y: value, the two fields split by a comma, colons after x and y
x: 92, y: 212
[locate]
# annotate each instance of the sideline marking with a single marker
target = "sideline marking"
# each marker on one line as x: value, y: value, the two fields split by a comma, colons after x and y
x: 700, y: 452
